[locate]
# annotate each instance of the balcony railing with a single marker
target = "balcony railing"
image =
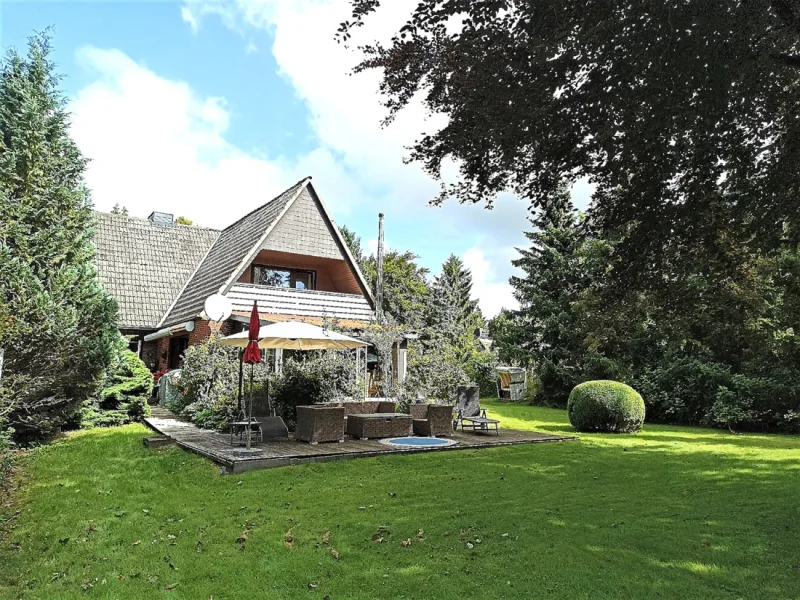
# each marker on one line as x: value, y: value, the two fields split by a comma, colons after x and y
x: 300, y: 303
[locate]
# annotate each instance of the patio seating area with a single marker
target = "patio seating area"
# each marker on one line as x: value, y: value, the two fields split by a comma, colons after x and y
x: 217, y: 447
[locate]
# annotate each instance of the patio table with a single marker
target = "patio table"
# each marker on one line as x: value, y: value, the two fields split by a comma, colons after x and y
x: 379, y: 425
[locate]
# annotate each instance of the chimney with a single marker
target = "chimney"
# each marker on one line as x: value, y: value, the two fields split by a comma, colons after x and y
x: 160, y: 218
x: 379, y: 283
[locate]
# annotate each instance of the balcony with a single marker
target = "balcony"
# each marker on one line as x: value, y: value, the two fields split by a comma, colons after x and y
x: 303, y: 304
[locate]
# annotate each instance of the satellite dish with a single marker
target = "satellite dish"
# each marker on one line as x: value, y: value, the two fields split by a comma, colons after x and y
x: 217, y: 308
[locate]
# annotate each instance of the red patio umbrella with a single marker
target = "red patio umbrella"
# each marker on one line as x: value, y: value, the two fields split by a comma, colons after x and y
x: 252, y: 355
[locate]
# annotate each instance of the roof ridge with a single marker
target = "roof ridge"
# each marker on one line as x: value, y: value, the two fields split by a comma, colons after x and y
x: 149, y: 222
x: 294, y: 185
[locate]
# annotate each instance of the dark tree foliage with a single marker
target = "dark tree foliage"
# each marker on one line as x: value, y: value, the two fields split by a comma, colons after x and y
x: 405, y: 285
x: 57, y: 324
x: 720, y: 349
x: 684, y: 113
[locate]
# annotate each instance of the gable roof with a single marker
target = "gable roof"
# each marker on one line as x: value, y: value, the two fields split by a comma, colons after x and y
x: 144, y: 265
x: 237, y: 246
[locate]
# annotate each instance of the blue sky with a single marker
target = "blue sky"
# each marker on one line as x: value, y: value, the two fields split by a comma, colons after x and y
x: 209, y: 108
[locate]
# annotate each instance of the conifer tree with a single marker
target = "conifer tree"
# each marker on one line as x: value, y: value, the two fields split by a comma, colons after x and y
x: 57, y: 324
x: 451, y: 311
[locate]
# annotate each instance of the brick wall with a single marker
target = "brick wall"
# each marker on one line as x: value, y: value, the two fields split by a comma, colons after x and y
x: 202, y: 331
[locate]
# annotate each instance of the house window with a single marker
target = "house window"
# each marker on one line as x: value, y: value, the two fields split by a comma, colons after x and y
x: 283, y: 277
x: 177, y: 346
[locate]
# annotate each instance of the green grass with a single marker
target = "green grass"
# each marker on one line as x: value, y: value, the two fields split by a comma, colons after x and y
x: 673, y: 512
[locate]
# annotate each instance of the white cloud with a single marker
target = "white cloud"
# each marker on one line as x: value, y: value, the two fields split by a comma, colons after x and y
x: 346, y: 112
x: 492, y: 293
x: 154, y: 144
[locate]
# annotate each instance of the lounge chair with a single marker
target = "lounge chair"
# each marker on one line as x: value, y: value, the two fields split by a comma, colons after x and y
x: 478, y: 424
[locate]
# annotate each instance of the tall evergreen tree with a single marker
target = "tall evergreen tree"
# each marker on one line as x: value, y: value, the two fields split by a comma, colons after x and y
x: 353, y: 242
x: 560, y: 267
x: 57, y: 324
x: 451, y: 312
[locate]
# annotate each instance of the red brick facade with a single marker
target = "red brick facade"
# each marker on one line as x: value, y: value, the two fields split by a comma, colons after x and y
x: 202, y: 331
x: 155, y: 354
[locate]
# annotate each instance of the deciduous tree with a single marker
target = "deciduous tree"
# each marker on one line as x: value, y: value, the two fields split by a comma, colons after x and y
x: 684, y: 113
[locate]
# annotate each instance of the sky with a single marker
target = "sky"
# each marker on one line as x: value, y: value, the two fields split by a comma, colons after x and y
x: 210, y: 108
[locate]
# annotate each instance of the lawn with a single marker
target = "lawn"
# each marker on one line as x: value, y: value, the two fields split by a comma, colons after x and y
x: 673, y: 512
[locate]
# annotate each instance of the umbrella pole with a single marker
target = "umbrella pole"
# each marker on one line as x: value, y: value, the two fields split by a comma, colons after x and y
x: 250, y: 409
x: 241, y: 378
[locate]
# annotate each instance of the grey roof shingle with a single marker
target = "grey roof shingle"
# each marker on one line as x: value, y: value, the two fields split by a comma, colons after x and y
x: 144, y: 266
x: 232, y: 245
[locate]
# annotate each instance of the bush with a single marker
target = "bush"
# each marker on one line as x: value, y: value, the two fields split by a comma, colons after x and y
x: 605, y: 406
x: 6, y: 458
x: 313, y: 378
x: 434, y: 373
x: 558, y: 375
x: 208, y: 384
x: 481, y: 369
x: 127, y: 387
x: 683, y: 389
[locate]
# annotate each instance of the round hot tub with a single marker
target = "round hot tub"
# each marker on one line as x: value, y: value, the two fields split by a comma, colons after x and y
x: 418, y: 442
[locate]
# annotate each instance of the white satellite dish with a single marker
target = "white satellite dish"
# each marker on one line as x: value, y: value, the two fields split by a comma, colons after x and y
x: 217, y: 308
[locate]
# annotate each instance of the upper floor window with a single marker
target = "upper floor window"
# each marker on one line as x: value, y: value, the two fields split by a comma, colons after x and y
x: 284, y: 277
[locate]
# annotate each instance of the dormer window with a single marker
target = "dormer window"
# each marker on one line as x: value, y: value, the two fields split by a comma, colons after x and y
x: 300, y: 279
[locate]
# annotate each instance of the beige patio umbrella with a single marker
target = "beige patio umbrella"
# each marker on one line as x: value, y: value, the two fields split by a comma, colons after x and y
x: 295, y: 335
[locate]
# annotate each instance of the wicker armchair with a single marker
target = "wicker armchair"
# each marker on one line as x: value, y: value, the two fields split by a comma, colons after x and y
x: 432, y: 419
x: 320, y: 424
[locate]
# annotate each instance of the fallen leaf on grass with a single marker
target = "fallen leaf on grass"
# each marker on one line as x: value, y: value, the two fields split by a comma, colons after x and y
x: 288, y: 539
x: 171, y: 586
x: 326, y: 537
x: 420, y: 535
x: 406, y: 543
x: 136, y: 543
x: 335, y: 554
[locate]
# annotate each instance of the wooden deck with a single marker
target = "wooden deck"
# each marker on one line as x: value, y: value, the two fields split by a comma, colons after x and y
x: 216, y: 446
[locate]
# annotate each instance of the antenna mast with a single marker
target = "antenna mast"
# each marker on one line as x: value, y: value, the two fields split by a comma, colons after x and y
x: 379, y: 283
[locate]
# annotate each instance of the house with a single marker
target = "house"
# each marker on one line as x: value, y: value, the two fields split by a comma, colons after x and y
x: 287, y: 255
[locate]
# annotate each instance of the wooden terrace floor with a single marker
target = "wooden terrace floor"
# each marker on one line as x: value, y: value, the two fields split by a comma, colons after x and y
x: 216, y: 446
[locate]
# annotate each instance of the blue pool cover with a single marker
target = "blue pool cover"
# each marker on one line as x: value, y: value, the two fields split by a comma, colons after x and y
x: 418, y: 442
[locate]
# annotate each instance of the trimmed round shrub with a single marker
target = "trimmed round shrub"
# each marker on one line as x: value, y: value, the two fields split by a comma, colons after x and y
x: 607, y: 406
